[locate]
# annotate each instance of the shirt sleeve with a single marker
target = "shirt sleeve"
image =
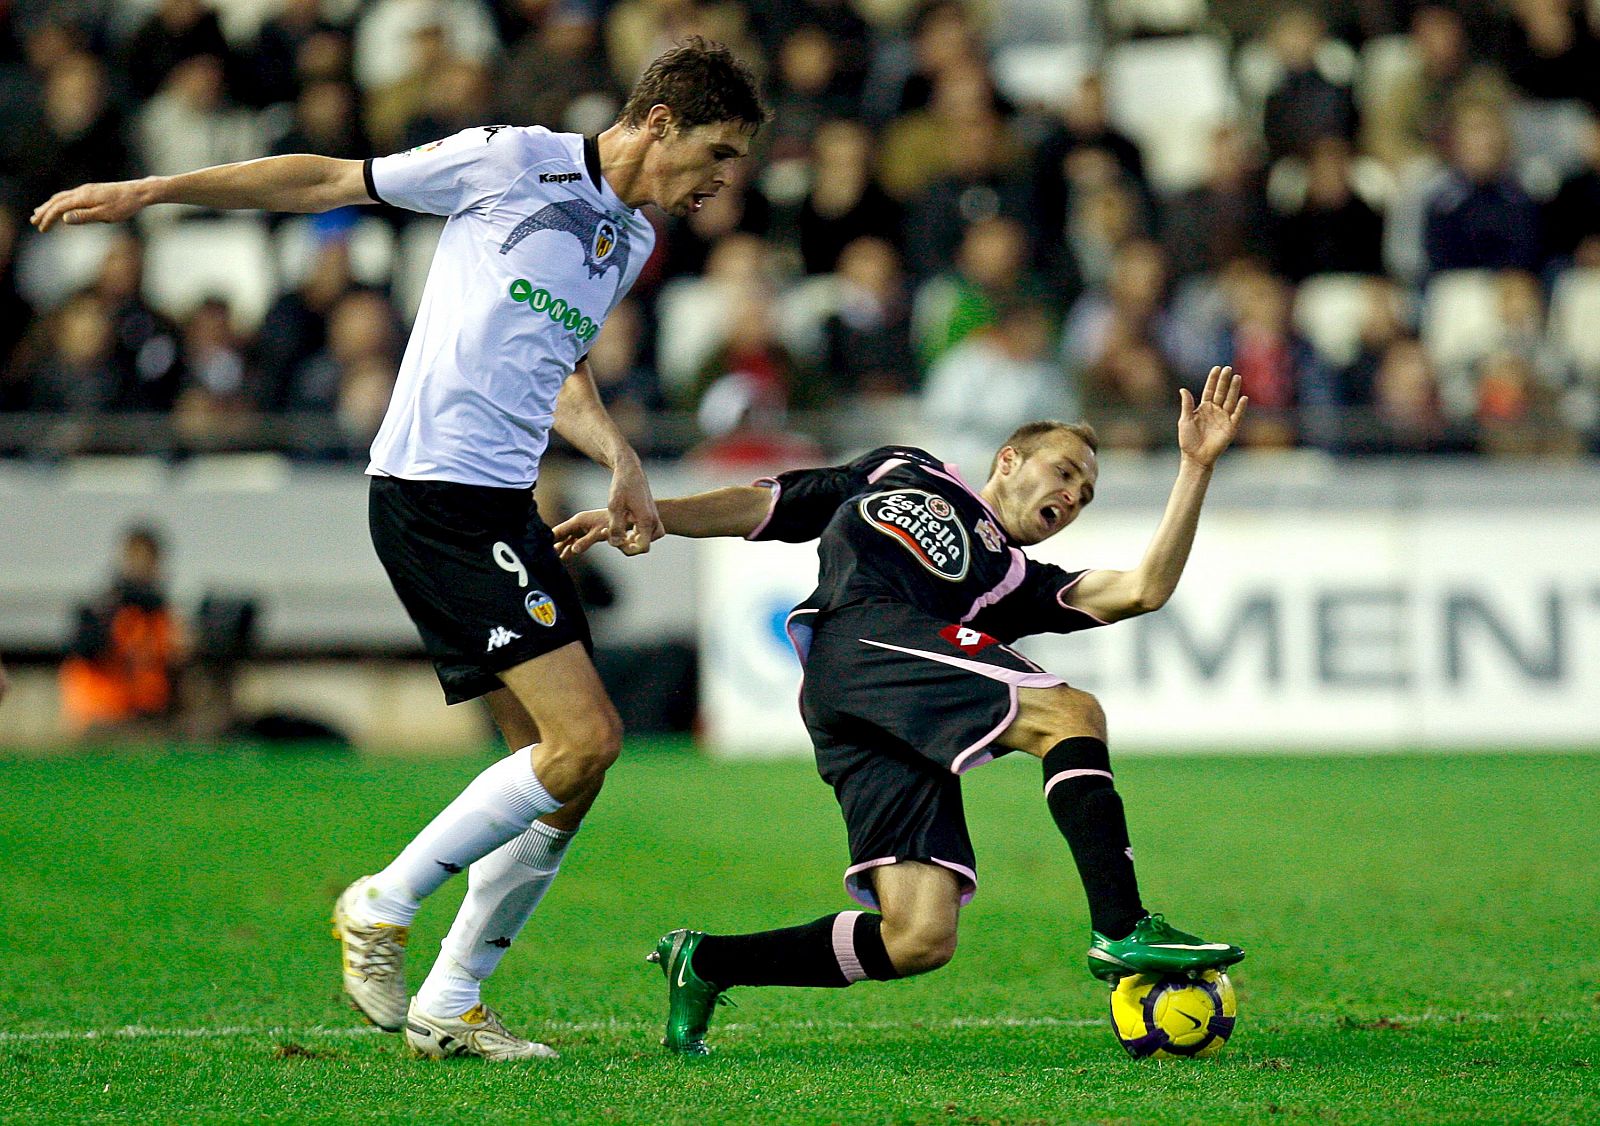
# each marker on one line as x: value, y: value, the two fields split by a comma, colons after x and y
x: 1038, y: 605
x: 449, y: 176
x: 804, y: 500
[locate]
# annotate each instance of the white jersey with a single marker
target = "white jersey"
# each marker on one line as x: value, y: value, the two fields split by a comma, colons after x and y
x: 537, y: 252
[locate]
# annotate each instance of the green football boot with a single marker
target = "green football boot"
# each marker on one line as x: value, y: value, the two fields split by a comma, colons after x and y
x: 690, y: 1000
x: 1157, y: 947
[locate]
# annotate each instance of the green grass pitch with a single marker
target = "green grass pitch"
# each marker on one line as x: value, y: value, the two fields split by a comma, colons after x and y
x: 1423, y: 938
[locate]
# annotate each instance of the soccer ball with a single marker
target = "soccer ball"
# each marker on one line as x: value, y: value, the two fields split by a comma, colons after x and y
x: 1166, y: 1016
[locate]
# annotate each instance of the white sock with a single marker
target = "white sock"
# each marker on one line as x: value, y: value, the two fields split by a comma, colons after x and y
x: 496, y: 806
x: 503, y: 889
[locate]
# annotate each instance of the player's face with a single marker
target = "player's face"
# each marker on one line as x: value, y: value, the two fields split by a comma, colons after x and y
x: 1042, y: 493
x: 694, y: 164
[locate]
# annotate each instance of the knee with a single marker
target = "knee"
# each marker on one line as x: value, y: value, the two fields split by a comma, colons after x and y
x: 918, y: 948
x: 583, y: 751
x: 1074, y: 712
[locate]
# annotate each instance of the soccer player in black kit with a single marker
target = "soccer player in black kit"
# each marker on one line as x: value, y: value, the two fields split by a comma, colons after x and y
x: 910, y: 680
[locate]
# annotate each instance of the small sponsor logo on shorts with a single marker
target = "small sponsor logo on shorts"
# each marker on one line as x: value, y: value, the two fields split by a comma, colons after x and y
x: 541, y: 608
x: 967, y: 639
x: 925, y: 524
x: 990, y: 535
x: 499, y: 636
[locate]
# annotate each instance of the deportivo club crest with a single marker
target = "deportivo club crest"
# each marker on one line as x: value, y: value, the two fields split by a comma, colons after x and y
x: 990, y: 535
x: 541, y: 608
x: 603, y: 238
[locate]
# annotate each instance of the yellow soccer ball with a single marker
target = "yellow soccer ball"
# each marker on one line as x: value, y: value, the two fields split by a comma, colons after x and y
x: 1173, y: 1016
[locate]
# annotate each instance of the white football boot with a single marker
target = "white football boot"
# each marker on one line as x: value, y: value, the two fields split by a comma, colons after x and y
x: 374, y: 962
x: 476, y: 1032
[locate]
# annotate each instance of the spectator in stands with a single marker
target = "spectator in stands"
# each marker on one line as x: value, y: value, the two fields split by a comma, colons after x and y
x: 1383, y: 322
x: 1306, y: 103
x: 1407, y: 121
x: 390, y: 107
x: 395, y: 41
x: 992, y: 268
x: 16, y: 312
x: 916, y: 148
x: 1333, y: 230
x: 127, y: 647
x: 458, y: 97
x: 1128, y: 392
x: 1553, y: 53
x: 636, y: 31
x: 1082, y: 151
x: 146, y: 355
x: 754, y: 353
x: 326, y: 123
x: 747, y: 431
x: 943, y: 37
x: 351, y: 377
x: 1105, y: 218
x: 1225, y: 218
x: 629, y: 386
x: 1293, y: 396
x: 1518, y: 413
x: 215, y: 406
x: 844, y: 202
x: 1131, y: 308
x: 296, y: 326
x: 1571, y: 220
x: 1006, y: 370
x: 867, y: 340
x: 191, y: 123
x: 177, y: 31
x: 74, y: 372
x: 847, y: 32
x: 84, y: 135
x: 807, y: 90
x: 274, y: 58
x: 556, y: 74
x: 1479, y: 217
x: 1400, y: 412
x: 979, y: 182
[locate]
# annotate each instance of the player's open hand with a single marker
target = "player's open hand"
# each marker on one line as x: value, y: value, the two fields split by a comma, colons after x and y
x: 579, y: 533
x: 634, y: 522
x: 1207, y: 428
x: 92, y: 203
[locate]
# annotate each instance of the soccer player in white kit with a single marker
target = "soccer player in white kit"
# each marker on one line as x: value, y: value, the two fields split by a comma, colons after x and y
x: 544, y: 238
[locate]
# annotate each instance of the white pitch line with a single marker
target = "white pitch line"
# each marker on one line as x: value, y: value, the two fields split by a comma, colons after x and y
x: 142, y: 1032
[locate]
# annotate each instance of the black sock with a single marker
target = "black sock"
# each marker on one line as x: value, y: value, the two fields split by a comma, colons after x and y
x: 830, y: 953
x: 1089, y: 814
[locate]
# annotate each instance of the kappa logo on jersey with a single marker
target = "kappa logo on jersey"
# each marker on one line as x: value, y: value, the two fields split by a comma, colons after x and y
x: 603, y: 238
x: 499, y: 636
x: 928, y: 530
x: 967, y: 639
x: 560, y: 177
x: 990, y: 535
x: 541, y: 608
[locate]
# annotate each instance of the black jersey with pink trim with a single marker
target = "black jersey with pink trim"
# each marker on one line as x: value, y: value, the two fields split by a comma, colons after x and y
x: 899, y: 525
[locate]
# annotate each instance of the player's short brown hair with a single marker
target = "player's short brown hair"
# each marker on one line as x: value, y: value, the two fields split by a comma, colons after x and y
x: 1027, y: 438
x: 702, y: 83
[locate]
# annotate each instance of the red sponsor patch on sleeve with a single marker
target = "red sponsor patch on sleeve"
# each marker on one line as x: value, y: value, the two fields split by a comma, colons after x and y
x: 967, y: 639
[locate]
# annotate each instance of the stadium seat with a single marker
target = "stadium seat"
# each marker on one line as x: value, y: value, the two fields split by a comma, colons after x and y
x: 373, y: 250
x: 1168, y: 94
x: 53, y: 266
x: 1460, y: 325
x: 412, y: 259
x: 1547, y: 141
x: 1574, y: 315
x: 802, y: 310
x: 1042, y: 74
x: 230, y: 258
x: 1329, y: 309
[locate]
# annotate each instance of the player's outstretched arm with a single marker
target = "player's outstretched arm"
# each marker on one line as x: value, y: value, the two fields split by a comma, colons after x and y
x: 300, y: 183
x: 735, y: 511
x: 1205, y: 430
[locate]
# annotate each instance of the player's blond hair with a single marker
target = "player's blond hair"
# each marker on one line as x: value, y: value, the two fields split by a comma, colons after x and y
x: 1027, y: 438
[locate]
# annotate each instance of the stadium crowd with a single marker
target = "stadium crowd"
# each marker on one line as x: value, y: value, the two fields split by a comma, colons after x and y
x: 1385, y: 215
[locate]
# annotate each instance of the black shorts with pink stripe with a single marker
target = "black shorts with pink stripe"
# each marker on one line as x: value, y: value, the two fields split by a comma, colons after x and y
x: 899, y: 705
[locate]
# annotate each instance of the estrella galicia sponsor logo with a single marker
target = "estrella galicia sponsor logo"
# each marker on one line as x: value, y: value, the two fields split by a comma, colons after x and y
x: 603, y: 238
x: 556, y: 308
x: 559, y: 177
x: 932, y: 535
x: 541, y: 608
